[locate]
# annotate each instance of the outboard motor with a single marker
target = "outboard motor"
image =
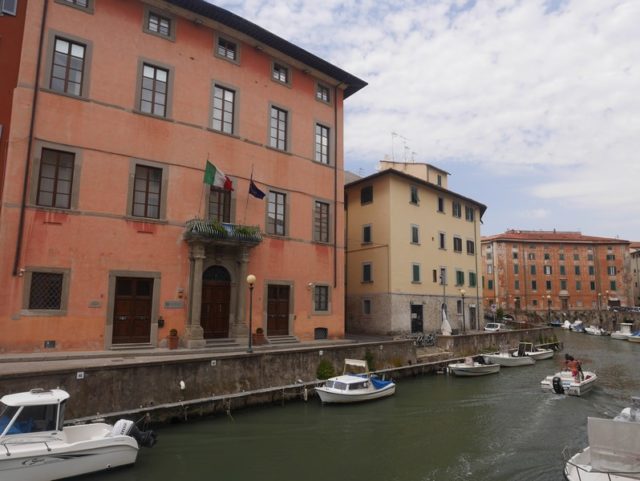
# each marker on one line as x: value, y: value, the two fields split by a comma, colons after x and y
x: 125, y: 427
x: 557, y: 385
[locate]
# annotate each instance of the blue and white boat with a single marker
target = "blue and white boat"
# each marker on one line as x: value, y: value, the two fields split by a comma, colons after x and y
x: 356, y: 384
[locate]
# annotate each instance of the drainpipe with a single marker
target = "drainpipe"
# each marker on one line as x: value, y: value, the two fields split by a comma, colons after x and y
x: 335, y: 186
x: 478, y: 252
x: 25, y: 182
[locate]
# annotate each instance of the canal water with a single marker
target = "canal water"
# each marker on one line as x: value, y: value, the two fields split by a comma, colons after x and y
x: 496, y: 428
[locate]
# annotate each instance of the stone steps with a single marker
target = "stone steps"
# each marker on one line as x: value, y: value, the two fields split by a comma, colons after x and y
x: 279, y: 340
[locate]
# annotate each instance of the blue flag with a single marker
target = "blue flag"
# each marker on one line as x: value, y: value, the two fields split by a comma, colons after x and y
x: 254, y: 191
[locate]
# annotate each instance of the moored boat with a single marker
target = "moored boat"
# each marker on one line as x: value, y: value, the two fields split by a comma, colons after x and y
x: 38, y: 447
x: 613, y: 449
x: 595, y: 331
x: 353, y: 386
x: 635, y: 337
x: 471, y: 367
x: 564, y: 382
x: 537, y: 353
x: 506, y: 359
x: 624, y: 332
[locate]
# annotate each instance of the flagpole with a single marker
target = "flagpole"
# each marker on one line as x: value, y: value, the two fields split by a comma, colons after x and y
x: 244, y: 219
x: 202, y: 193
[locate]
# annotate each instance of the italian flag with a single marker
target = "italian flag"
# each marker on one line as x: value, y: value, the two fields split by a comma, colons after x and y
x: 217, y: 178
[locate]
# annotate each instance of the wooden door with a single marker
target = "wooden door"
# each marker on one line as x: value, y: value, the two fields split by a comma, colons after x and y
x: 278, y: 310
x: 214, y: 316
x: 132, y: 310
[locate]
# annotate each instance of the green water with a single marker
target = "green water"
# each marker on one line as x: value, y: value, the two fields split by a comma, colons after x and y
x: 499, y: 428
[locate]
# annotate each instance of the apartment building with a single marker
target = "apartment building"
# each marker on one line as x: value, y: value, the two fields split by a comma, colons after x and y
x: 549, y: 271
x: 154, y: 155
x: 634, y: 249
x: 411, y: 252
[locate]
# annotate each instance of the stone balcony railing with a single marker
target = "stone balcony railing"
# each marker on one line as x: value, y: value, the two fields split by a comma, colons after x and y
x: 221, y: 232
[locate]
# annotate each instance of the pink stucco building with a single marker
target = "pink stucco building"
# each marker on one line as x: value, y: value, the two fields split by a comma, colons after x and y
x: 108, y: 235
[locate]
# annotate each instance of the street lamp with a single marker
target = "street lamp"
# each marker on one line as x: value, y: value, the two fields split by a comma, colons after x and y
x: 549, y: 307
x: 599, y: 315
x: 251, y: 280
x: 462, y: 295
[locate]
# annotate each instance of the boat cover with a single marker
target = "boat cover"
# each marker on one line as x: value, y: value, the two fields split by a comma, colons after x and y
x: 379, y: 383
x: 614, y: 445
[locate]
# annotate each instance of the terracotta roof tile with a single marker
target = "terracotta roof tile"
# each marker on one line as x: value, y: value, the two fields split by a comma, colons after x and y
x: 551, y: 236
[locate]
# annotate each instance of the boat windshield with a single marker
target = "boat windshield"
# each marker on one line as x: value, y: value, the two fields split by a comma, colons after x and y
x: 32, y: 419
x: 340, y: 386
x: 358, y: 385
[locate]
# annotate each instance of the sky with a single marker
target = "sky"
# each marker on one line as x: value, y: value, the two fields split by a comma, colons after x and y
x: 532, y: 106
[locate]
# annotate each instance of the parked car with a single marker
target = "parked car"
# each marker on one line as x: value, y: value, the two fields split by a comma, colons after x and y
x: 495, y: 326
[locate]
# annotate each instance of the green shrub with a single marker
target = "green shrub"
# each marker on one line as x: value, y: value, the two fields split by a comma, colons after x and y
x: 325, y: 370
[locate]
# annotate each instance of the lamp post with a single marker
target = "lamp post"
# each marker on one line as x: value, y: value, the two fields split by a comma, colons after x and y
x: 464, y: 329
x: 444, y: 294
x: 251, y: 280
x: 549, y: 307
x: 599, y: 314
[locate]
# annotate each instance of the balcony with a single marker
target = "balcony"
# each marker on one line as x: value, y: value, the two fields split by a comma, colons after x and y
x: 214, y: 232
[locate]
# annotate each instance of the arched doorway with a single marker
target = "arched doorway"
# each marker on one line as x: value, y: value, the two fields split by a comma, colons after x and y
x: 216, y: 297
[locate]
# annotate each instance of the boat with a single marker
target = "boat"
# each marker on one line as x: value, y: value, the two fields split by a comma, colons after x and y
x: 635, y: 337
x: 555, y: 323
x: 577, y: 326
x: 37, y: 447
x: 473, y: 367
x: 564, y: 382
x: 595, y: 331
x: 624, y: 333
x: 506, y: 359
x: 537, y: 353
x: 566, y: 325
x: 612, y: 453
x: 353, y: 386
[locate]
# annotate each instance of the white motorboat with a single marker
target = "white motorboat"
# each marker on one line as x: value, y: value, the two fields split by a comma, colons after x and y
x: 612, y: 454
x: 635, y: 337
x: 36, y: 446
x: 353, y: 386
x: 595, y: 331
x: 566, y: 325
x: 577, y: 326
x: 470, y: 367
x: 506, y: 359
x: 624, y: 333
x: 564, y: 382
x: 537, y: 353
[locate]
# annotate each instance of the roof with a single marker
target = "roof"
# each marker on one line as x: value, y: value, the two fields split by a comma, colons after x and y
x: 551, y: 237
x: 231, y: 20
x: 416, y: 180
x: 35, y: 397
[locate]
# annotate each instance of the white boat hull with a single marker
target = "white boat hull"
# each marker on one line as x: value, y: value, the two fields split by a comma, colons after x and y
x: 541, y: 354
x: 633, y: 338
x: 621, y: 336
x: 579, y: 468
x: 328, y: 395
x: 476, y: 369
x: 570, y: 385
x: 507, y: 360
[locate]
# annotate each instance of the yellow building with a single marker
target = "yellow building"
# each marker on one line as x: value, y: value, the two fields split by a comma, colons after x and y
x: 412, y: 248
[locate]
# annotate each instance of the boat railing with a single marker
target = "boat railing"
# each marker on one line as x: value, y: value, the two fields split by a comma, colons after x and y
x: 5, y: 444
x: 588, y: 473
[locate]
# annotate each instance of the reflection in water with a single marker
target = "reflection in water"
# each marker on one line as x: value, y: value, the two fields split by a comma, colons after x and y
x: 494, y: 428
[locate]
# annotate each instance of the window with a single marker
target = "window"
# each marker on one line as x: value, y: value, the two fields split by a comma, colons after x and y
x: 366, y: 234
x: 46, y: 291
x: 153, y: 93
x: 534, y: 285
x: 457, y: 244
x: 224, y: 100
x: 441, y: 238
x: 514, y: 255
x: 592, y: 285
x: 546, y: 256
x: 471, y: 247
x: 10, y: 7
x: 459, y: 278
x: 563, y: 270
x: 459, y: 307
x: 576, y: 257
x: 563, y: 284
x: 276, y: 213
x: 85, y: 5
x: 278, y: 130
x: 611, y: 270
x: 489, y: 268
x: 443, y: 276
x: 67, y: 68
x: 219, y: 204
x: 612, y: 285
x: 548, y: 285
x: 322, y: 93
x: 415, y: 237
x: 147, y: 192
x: 490, y: 284
x: 280, y: 73
x: 55, y: 179
x: 578, y: 285
x: 435, y: 275
x: 469, y: 213
x: 531, y: 256
x: 589, y: 257
x: 414, y: 195
x: 321, y: 298
x: 366, y: 195
x: 439, y: 180
x: 456, y: 209
x: 592, y: 271
x: 415, y: 273
x: 533, y: 270
x: 516, y: 285
x: 561, y: 257
x: 440, y: 204
x: 366, y: 306
x: 322, y: 144
x: 611, y: 257
x: 367, y: 275
x: 534, y: 302
x: 321, y: 222
x: 576, y: 269
x: 516, y: 268
x: 160, y: 25
x: 489, y: 256
x: 227, y: 49
x: 473, y: 279
x: 548, y: 270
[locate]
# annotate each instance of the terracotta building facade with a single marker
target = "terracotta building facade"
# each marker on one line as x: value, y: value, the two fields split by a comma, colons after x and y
x: 411, y: 252
x: 548, y: 272
x: 111, y: 234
